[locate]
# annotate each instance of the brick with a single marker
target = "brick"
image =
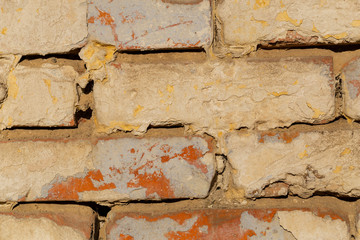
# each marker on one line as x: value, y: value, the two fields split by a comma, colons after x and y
x: 351, y: 89
x: 299, y: 163
x: 245, y: 24
x: 151, y: 24
x: 110, y: 170
x: 215, y: 96
x: 42, y: 27
x: 213, y: 224
x: 47, y: 222
x: 43, y: 96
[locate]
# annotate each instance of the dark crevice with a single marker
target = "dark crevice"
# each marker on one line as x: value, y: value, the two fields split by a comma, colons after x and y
x: 170, y: 50
x: 335, y: 48
x: 213, y: 184
x: 170, y: 200
x: 99, y: 209
x: 41, y: 128
x: 310, y: 124
x: 167, y: 126
x: 71, y: 55
x: 85, y: 114
x: 315, y: 194
x: 88, y: 88
x: 242, y: 128
x: 337, y: 195
x: 338, y: 87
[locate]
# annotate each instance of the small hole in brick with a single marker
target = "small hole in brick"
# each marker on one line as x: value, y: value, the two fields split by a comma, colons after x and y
x: 88, y: 88
x: 87, y: 114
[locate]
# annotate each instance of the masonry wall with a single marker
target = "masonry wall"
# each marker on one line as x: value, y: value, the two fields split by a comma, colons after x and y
x: 180, y: 119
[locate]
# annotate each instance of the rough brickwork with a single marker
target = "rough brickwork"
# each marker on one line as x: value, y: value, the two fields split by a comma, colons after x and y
x: 52, y: 105
x: 109, y: 170
x: 245, y: 24
x: 228, y: 224
x: 47, y: 222
x: 37, y: 27
x: 237, y: 94
x: 150, y: 24
x: 180, y: 119
x: 351, y: 89
x: 306, y: 162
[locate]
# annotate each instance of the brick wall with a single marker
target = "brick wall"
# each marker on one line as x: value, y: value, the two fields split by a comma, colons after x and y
x: 180, y: 119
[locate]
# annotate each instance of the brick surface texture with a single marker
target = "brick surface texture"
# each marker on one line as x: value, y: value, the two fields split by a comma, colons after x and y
x: 180, y: 119
x: 47, y: 222
x: 111, y: 169
x: 282, y: 224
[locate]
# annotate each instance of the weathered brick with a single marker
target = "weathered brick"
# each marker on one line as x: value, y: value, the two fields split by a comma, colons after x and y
x: 351, y: 89
x: 307, y: 162
x: 41, y: 27
x: 245, y: 24
x: 47, y: 222
x: 151, y: 24
x: 214, y: 96
x: 214, y: 224
x: 43, y: 96
x: 110, y: 170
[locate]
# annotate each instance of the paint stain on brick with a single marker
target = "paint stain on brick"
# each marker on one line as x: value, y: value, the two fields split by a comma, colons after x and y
x: 190, y: 154
x: 263, y: 215
x: 284, y: 136
x: 155, y: 182
x: 125, y: 237
x: 70, y: 188
x: 230, y: 228
x: 193, y: 233
x: 108, y: 20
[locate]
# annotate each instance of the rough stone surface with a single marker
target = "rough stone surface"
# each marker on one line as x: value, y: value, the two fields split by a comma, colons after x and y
x: 151, y: 24
x: 110, y: 170
x: 307, y: 162
x: 351, y: 89
x: 42, y: 27
x: 47, y: 222
x: 245, y: 24
x: 214, y: 96
x: 42, y: 96
x: 213, y: 224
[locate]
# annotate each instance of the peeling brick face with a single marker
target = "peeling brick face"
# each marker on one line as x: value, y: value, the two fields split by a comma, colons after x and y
x: 210, y: 224
x: 34, y: 222
x: 248, y: 23
x: 150, y: 24
x: 110, y: 170
x: 308, y: 162
x: 42, y: 27
x: 240, y: 93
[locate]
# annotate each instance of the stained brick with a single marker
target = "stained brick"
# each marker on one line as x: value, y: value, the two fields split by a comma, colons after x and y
x: 42, y: 27
x: 110, y: 170
x: 213, y: 224
x: 351, y: 89
x: 216, y: 96
x: 245, y: 24
x: 150, y: 24
x: 47, y: 222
